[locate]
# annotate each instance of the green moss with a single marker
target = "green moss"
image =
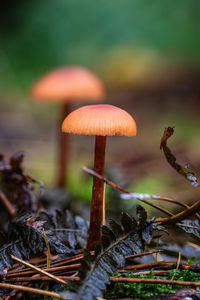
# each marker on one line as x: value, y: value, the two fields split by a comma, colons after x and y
x: 147, y: 289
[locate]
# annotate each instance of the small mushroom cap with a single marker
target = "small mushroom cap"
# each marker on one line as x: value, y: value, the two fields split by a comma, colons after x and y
x: 68, y: 84
x: 100, y: 119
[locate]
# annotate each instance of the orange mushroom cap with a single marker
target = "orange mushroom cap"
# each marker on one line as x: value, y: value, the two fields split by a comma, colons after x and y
x: 69, y: 83
x: 100, y: 119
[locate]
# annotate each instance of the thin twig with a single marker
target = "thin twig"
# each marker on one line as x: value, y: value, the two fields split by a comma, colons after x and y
x: 143, y: 253
x: 7, y: 203
x: 65, y: 260
x: 187, y: 226
x: 112, y: 279
x: 52, y: 269
x: 180, y: 216
x: 156, y: 272
x: 193, y: 245
x: 66, y: 229
x: 28, y: 289
x: 172, y: 219
x: 73, y: 267
x: 155, y: 197
x: 169, y: 264
x: 26, y: 270
x: 155, y: 281
x: 41, y: 278
x: 41, y: 184
x: 93, y: 173
x: 165, y: 211
x: 38, y: 270
x: 149, y: 265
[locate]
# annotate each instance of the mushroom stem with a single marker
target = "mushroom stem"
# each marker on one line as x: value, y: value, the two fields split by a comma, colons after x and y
x: 97, y: 193
x: 63, y: 149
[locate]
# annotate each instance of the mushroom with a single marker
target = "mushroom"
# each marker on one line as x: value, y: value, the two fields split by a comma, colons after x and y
x: 99, y: 120
x: 67, y: 85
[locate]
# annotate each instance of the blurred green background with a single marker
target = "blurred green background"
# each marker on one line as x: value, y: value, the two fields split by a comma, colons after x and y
x: 148, y: 55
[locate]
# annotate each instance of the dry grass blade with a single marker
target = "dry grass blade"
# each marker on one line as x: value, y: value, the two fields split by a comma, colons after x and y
x: 178, y: 260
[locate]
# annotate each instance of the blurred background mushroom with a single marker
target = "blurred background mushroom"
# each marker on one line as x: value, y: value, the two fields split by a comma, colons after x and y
x: 148, y: 55
x: 67, y: 85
